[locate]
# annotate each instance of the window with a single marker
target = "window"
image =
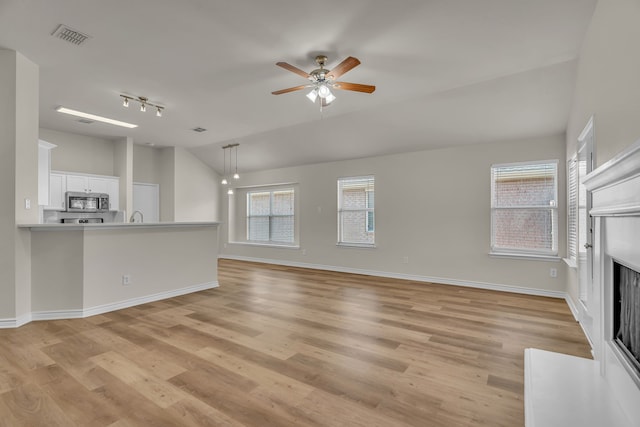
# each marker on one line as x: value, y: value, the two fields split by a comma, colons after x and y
x: 572, y: 210
x: 524, y: 212
x: 356, y: 213
x: 270, y: 216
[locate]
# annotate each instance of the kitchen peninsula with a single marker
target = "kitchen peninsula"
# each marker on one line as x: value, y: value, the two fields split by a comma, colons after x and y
x: 79, y: 270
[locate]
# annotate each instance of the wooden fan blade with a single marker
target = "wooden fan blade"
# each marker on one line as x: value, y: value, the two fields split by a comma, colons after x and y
x: 343, y: 67
x: 293, y: 69
x: 354, y: 86
x: 289, y: 89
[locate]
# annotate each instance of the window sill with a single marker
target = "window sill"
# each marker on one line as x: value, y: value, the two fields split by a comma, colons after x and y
x: 267, y: 245
x: 528, y: 257
x: 571, y: 263
x: 356, y: 245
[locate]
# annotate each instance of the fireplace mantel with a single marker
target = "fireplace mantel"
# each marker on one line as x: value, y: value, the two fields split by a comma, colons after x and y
x: 615, y: 189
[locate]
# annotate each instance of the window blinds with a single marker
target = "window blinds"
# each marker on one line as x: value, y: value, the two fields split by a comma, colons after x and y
x: 524, y: 208
x: 356, y: 210
x: 270, y: 216
x: 572, y: 209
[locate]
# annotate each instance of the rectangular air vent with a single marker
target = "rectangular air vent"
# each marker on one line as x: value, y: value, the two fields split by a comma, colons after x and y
x: 199, y: 129
x: 70, y: 35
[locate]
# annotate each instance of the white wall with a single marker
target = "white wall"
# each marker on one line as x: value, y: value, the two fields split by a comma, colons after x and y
x: 432, y: 206
x: 80, y: 153
x: 607, y: 86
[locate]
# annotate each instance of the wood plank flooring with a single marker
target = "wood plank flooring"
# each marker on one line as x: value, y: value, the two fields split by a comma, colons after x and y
x: 280, y: 346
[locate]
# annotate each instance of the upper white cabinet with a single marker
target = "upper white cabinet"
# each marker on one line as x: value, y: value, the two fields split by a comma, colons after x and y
x: 57, y: 187
x: 61, y: 182
x: 44, y: 168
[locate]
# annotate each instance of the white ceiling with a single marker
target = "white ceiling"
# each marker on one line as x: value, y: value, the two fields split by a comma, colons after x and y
x: 447, y: 71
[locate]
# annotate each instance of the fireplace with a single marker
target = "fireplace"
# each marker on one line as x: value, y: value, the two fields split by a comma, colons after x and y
x: 615, y: 189
x: 626, y: 317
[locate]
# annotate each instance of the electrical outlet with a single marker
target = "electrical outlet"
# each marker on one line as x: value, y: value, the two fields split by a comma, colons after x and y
x: 405, y: 260
x: 126, y: 280
x: 304, y: 252
x: 27, y: 203
x: 553, y: 272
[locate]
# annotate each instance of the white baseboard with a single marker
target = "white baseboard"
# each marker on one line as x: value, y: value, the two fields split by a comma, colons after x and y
x: 416, y: 278
x: 15, y: 322
x: 92, y: 311
x: 105, y: 308
x: 572, y: 307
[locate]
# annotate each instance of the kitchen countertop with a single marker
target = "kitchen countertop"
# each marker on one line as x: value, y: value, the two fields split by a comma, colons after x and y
x: 114, y: 225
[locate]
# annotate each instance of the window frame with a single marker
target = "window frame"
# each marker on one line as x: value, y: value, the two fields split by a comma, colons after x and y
x: 526, y: 252
x: 271, y: 216
x: 369, y: 212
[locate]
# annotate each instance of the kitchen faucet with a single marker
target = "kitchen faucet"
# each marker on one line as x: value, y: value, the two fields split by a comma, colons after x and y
x: 133, y: 216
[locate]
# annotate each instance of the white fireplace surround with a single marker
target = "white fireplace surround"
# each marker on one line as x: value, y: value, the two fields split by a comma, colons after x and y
x: 615, y: 187
x: 562, y: 390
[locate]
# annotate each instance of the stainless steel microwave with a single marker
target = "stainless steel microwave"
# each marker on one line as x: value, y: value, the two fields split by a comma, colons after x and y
x: 86, y: 202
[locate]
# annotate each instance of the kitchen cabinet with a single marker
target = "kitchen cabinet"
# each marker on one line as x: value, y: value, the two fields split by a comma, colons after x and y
x: 57, y: 187
x: 61, y: 182
x: 44, y: 170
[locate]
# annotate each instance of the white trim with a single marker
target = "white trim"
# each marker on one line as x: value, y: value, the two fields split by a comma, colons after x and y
x: 616, y: 210
x: 412, y: 277
x: 245, y: 187
x: 525, y: 256
x: 621, y: 168
x: 267, y: 245
x: 571, y: 263
x: 105, y: 308
x: 15, y: 322
x: 92, y: 311
x: 357, y: 245
x: 58, y: 314
x: 573, y: 308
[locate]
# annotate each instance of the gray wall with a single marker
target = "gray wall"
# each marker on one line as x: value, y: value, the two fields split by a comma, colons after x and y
x: 431, y: 206
x: 80, y: 153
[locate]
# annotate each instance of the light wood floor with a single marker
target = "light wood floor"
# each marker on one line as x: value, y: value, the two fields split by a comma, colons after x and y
x: 278, y: 346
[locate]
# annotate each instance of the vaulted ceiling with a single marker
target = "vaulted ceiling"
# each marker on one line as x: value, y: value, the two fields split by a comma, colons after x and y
x: 447, y: 72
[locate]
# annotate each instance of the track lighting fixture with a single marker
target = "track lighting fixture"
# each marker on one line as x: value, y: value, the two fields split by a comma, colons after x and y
x: 236, y: 175
x: 143, y: 103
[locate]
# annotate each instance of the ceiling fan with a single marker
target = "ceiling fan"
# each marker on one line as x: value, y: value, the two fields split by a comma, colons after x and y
x: 323, y: 80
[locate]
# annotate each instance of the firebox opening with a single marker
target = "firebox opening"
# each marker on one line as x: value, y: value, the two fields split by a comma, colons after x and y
x: 626, y: 314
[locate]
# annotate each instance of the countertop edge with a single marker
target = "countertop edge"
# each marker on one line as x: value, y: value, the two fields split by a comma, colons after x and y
x: 115, y: 225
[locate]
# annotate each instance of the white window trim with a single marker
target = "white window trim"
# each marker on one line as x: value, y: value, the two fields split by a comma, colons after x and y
x: 525, y: 253
x: 271, y: 243
x: 367, y: 210
x: 267, y: 245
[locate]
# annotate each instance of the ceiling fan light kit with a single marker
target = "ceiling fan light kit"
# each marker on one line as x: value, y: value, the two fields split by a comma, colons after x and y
x: 323, y: 80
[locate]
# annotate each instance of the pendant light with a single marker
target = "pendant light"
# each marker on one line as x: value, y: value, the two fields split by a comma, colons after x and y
x: 224, y: 166
x: 236, y: 175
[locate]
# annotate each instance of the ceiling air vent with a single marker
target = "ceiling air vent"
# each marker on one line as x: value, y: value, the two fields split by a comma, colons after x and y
x: 70, y: 35
x: 199, y: 129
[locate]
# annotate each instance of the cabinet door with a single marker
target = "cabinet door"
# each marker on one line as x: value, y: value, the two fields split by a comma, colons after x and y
x: 97, y: 185
x: 77, y: 183
x: 57, y: 187
x: 114, y: 194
